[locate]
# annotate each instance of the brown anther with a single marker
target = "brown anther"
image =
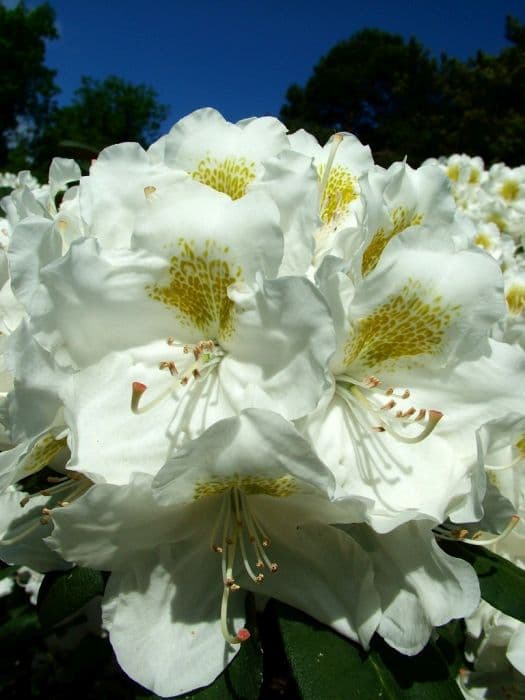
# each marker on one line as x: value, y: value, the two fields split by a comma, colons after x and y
x: 410, y: 411
x: 24, y: 501
x: 46, y: 516
x: 422, y: 413
x: 399, y: 414
x: 229, y: 582
x: 378, y: 429
x: 405, y: 394
x: 266, y: 542
x: 170, y: 340
x: 149, y: 191
x: 274, y: 567
x: 390, y: 404
x: 371, y: 381
x: 389, y: 391
x: 460, y: 534
x: 259, y: 578
x: 217, y: 548
x: 62, y: 504
x: 169, y: 365
x: 186, y: 349
x: 259, y: 564
x: 229, y: 540
x: 196, y: 374
x: 184, y: 381
x: 234, y: 587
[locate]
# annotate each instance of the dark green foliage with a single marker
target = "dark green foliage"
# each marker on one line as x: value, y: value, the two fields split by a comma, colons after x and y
x: 378, y: 87
x: 102, y: 113
x: 502, y: 583
x: 398, y: 99
x: 34, y: 129
x: 326, y: 665
x: 27, y: 87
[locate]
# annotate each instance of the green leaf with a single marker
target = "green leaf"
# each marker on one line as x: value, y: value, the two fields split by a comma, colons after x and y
x: 19, y: 630
x: 7, y: 571
x: 502, y: 583
x: 64, y: 593
x: 325, y: 664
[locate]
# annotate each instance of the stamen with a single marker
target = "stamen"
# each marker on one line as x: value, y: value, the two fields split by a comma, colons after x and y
x: 353, y: 396
x: 498, y: 468
x: 28, y: 530
x: 169, y: 365
x: 237, y: 506
x: 336, y: 142
x: 239, y: 523
x: 149, y: 191
x: 206, y: 356
x: 477, y: 537
x: 243, y: 634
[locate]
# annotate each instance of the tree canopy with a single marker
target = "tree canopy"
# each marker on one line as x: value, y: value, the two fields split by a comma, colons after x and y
x: 28, y: 87
x: 102, y: 112
x: 393, y: 95
x: 34, y: 128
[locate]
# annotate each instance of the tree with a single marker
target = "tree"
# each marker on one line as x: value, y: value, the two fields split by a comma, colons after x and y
x: 28, y: 87
x: 398, y: 99
x: 487, y: 97
x: 101, y: 113
x: 379, y: 87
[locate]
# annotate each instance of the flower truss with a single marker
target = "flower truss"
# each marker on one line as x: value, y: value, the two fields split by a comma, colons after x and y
x: 250, y: 363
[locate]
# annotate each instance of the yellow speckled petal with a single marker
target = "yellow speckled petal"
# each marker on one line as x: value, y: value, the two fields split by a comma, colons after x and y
x: 199, y: 277
x: 230, y: 175
x: 402, y: 218
x: 408, y: 325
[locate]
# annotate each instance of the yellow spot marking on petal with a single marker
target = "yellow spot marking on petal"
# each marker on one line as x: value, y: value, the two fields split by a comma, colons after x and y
x: 402, y: 218
x: 230, y: 176
x: 280, y: 487
x: 492, y: 477
x: 521, y: 444
x: 43, y: 452
x: 516, y: 299
x: 410, y: 324
x: 340, y: 190
x: 510, y: 190
x: 498, y: 220
x: 197, y: 288
x: 453, y: 172
x: 483, y: 241
x: 473, y: 178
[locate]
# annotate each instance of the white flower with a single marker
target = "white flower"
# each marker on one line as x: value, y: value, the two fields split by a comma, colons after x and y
x: 403, y: 362
x: 246, y: 505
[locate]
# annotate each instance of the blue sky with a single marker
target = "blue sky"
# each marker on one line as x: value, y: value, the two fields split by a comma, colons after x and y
x: 240, y: 56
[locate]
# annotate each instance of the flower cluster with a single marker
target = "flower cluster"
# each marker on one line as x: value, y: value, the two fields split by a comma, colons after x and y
x: 253, y: 364
x: 494, y: 200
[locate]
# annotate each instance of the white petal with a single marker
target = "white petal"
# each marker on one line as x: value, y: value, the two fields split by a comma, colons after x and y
x: 163, y: 621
